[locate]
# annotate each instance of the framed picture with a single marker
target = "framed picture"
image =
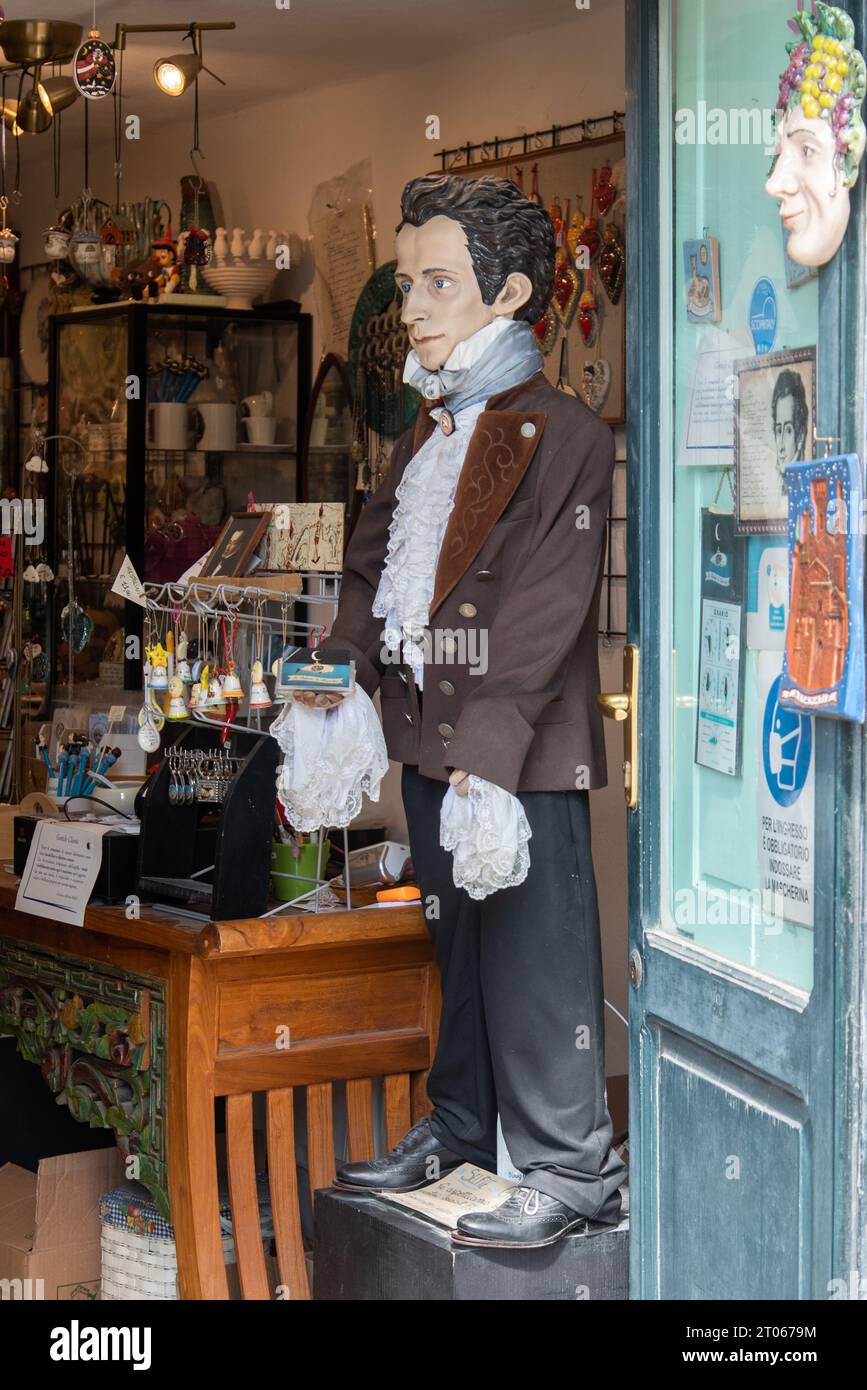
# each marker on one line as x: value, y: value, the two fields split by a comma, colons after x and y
x: 775, y: 413
x: 235, y: 546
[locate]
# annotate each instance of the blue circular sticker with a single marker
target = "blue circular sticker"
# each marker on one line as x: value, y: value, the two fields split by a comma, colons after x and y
x: 763, y: 316
x: 787, y: 743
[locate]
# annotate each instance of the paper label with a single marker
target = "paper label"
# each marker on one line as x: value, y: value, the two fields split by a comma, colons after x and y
x: 128, y: 584
x: 61, y: 869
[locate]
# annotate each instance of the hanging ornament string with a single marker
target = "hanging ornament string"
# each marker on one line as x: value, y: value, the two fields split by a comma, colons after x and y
x: 86, y: 189
x: 56, y: 155
x: 197, y: 149
x: 117, y: 96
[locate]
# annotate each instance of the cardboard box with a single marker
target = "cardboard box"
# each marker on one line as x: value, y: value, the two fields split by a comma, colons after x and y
x: 49, y: 1225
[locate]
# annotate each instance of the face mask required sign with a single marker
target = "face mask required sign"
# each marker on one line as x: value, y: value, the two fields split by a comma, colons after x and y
x: 786, y: 802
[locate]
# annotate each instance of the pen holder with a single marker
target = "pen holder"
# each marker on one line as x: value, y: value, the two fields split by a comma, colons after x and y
x: 290, y: 876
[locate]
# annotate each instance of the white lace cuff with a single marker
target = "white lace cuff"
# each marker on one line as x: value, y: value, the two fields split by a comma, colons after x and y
x: 487, y: 831
x: 330, y: 758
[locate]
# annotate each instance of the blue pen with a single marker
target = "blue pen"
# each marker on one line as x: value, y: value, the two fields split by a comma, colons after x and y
x: 62, y: 764
x: 45, y: 758
x: 79, y: 776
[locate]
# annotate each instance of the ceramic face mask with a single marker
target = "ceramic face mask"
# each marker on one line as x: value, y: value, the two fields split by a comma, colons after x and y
x: 820, y: 134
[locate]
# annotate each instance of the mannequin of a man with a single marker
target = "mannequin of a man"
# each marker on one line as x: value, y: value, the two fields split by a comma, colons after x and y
x: 489, y: 565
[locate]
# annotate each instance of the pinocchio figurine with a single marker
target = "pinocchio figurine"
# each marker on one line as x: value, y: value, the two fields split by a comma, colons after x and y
x: 168, y: 275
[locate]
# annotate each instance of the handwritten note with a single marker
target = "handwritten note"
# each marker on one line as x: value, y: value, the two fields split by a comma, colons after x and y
x: 344, y: 262
x: 128, y: 584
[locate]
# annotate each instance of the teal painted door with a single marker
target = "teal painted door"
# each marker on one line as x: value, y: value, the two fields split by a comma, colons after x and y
x: 742, y: 879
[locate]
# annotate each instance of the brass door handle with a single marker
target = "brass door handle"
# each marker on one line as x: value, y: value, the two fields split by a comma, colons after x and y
x: 622, y: 705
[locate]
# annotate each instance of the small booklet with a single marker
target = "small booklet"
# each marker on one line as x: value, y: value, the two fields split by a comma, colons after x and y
x: 467, y: 1189
x: 301, y: 668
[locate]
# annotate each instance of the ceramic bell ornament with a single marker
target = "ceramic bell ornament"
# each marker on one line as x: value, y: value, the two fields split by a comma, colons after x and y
x: 8, y: 246
x: 159, y: 664
x: 204, y: 687
x: 259, y: 697
x: 820, y: 96
x: 177, y: 706
x: 195, y: 693
x: 232, y: 689
x: 182, y: 668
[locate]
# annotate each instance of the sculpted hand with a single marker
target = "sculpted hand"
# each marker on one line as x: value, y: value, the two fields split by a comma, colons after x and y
x: 460, y: 781
x: 317, y: 699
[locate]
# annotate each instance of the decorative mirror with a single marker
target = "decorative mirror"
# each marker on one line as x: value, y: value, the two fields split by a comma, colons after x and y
x: 327, y: 467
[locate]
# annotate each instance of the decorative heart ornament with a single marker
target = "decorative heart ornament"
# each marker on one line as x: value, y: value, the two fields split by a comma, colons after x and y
x: 546, y: 330
x: 588, y: 320
x: 567, y: 286
x: 612, y: 263
x: 589, y: 237
x: 604, y: 190
x: 595, y: 382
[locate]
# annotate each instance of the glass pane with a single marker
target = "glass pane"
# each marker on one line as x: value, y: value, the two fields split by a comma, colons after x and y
x: 738, y: 781
x: 91, y: 491
x: 222, y: 422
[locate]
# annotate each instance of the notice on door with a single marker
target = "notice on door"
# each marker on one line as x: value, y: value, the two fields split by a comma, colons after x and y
x: 786, y: 803
x: 62, y: 865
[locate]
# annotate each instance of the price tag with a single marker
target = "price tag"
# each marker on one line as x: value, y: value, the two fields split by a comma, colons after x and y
x: 128, y: 584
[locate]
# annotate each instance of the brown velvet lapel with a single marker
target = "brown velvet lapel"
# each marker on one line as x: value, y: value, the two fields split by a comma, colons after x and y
x: 497, y: 459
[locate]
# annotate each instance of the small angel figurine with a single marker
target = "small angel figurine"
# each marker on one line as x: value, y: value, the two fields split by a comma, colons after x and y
x: 177, y: 706
x: 259, y: 697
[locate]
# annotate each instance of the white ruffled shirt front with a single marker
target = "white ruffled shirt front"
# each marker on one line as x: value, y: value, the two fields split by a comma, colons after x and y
x: 332, y: 756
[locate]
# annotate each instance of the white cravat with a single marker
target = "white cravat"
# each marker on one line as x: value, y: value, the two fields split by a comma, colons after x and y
x: 424, y: 497
x: 332, y: 756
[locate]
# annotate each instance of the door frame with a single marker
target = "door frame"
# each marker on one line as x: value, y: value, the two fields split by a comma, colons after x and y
x: 840, y: 951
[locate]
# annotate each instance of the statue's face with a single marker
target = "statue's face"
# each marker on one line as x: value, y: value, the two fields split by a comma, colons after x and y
x: 814, y: 201
x: 442, y: 302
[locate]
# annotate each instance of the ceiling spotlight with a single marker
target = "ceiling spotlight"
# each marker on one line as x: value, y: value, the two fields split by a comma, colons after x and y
x: 174, y: 75
x: 56, y: 93
x: 32, y: 116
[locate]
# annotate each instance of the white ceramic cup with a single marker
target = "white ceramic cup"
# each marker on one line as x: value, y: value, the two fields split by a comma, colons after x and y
x: 170, y: 423
x: 218, y: 425
x: 261, y: 429
x: 258, y: 405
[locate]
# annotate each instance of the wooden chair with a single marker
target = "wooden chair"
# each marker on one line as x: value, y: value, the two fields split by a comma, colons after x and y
x: 404, y: 1102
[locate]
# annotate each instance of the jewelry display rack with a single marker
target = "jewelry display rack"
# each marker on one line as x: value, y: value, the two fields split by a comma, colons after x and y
x: 212, y: 603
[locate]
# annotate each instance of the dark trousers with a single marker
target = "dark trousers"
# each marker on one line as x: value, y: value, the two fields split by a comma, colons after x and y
x: 522, y: 1028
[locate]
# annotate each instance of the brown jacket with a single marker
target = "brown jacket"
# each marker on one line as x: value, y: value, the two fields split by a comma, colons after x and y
x: 517, y: 592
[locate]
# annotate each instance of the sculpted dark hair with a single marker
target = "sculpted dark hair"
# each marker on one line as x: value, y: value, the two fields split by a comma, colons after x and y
x: 505, y: 232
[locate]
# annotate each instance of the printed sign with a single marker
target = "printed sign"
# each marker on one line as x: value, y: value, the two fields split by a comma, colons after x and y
x: 786, y: 803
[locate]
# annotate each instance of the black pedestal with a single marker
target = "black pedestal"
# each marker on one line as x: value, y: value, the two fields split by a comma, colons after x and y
x: 366, y: 1249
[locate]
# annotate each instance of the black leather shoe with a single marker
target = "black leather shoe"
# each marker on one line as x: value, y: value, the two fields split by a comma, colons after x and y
x: 529, y: 1218
x: 404, y: 1168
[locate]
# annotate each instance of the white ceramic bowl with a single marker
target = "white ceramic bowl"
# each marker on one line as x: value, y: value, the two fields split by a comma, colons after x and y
x: 241, y: 283
x: 120, y: 796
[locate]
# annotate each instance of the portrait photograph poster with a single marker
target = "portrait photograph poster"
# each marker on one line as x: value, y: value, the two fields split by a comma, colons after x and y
x: 775, y: 412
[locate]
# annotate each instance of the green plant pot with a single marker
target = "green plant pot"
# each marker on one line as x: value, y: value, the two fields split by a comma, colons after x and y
x: 290, y: 877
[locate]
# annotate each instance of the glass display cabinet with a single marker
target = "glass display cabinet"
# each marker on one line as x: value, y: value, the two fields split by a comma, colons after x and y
x: 169, y: 418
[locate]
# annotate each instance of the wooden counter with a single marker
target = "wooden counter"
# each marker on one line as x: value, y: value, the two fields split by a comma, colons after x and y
x: 139, y: 1022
